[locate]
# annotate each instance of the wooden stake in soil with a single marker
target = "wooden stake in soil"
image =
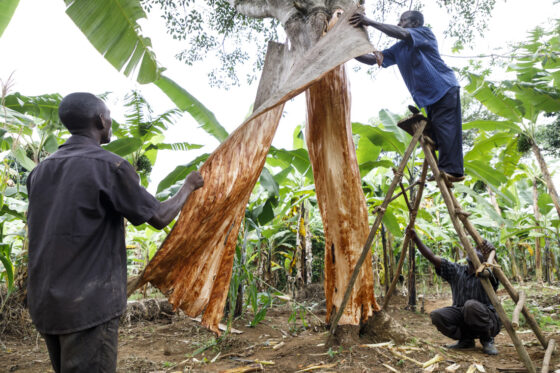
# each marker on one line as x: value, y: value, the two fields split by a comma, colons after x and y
x: 456, y: 215
x: 547, y: 356
x: 517, y: 310
x: 379, y: 217
x: 417, y: 201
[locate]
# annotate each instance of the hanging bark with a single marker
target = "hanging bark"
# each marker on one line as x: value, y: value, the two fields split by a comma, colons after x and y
x: 339, y: 194
x: 538, y: 260
x: 193, y: 266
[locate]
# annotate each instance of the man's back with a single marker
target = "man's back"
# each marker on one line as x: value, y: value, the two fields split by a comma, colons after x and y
x: 77, y: 258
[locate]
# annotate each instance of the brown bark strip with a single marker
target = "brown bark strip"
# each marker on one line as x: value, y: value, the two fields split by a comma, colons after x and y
x: 193, y: 266
x: 340, y: 196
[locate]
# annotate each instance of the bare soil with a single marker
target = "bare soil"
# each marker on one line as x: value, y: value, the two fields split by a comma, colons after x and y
x: 278, y: 344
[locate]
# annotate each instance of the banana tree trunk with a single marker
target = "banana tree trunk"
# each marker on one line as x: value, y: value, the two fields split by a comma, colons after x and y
x: 194, y: 264
x: 538, y: 261
x: 549, y: 184
x: 339, y: 193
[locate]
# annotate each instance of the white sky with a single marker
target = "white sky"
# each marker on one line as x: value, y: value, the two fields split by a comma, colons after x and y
x: 48, y: 54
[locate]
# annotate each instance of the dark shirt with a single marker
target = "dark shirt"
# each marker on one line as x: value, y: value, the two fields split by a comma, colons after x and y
x: 464, y: 286
x: 78, y: 197
x: 425, y: 74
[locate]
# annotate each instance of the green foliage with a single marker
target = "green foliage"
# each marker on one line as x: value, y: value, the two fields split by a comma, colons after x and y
x: 118, y: 37
x: 7, y: 9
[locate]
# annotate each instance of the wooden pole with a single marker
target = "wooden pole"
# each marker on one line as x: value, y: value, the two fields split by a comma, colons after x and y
x: 398, y: 176
x: 407, y: 237
x: 517, y: 310
x: 456, y: 216
x: 547, y: 356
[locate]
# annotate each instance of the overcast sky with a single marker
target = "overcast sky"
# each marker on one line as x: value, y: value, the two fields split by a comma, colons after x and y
x: 47, y: 53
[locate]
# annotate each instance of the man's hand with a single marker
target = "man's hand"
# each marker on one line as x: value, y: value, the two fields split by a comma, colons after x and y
x: 358, y: 19
x: 412, y: 233
x: 194, y: 180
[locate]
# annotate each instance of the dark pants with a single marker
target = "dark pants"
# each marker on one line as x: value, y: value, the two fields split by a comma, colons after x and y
x: 473, y: 320
x: 447, y: 131
x: 92, y: 350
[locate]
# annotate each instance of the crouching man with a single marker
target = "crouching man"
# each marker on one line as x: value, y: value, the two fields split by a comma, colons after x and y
x: 472, y: 315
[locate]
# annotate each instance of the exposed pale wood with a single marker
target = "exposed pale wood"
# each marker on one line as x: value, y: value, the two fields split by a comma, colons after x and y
x: 193, y: 266
x: 417, y: 202
x: 346, y: 284
x: 547, y: 356
x: 452, y: 206
x: 517, y: 310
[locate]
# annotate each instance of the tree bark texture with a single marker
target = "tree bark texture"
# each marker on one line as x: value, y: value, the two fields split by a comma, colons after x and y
x: 339, y: 193
x: 194, y: 264
x: 538, y: 258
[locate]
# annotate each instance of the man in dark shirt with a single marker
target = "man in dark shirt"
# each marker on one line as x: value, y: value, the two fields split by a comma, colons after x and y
x: 430, y: 81
x: 78, y: 198
x: 471, y: 315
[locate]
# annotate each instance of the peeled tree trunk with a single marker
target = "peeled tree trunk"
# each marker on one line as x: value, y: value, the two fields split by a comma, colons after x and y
x: 194, y: 264
x: 340, y: 196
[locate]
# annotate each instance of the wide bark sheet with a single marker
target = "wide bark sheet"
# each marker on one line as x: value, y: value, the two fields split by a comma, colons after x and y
x: 340, y: 196
x: 193, y: 266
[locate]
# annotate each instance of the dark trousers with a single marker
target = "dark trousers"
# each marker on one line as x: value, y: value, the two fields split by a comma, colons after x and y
x: 473, y: 320
x: 447, y: 131
x: 92, y: 350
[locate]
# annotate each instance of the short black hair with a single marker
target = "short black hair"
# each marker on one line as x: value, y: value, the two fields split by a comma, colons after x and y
x: 417, y: 17
x: 79, y: 110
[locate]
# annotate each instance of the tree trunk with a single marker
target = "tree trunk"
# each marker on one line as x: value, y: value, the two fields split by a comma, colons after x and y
x: 509, y: 246
x: 340, y: 196
x: 546, y: 176
x: 308, y: 250
x: 538, y: 261
x: 194, y: 264
x: 411, y: 276
x: 385, y: 258
x: 524, y: 262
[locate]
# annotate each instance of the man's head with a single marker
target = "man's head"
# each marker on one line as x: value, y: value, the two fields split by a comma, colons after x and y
x: 411, y: 19
x: 470, y: 263
x: 85, y: 114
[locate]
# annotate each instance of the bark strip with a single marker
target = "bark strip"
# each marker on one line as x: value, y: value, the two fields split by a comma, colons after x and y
x: 194, y: 264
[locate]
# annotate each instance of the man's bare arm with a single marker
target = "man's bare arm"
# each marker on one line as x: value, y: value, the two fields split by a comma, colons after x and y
x: 169, y: 209
x: 359, y: 19
x: 427, y: 253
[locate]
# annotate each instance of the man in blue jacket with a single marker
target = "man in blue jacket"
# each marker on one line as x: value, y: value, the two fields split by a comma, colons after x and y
x: 430, y: 81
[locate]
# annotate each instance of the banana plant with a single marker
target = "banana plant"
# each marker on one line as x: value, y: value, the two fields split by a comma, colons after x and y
x: 523, y: 102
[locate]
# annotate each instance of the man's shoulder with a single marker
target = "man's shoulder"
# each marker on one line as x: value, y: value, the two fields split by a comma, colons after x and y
x: 94, y: 155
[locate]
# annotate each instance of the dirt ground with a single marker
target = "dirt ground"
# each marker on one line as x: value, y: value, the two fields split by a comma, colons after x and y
x: 278, y: 344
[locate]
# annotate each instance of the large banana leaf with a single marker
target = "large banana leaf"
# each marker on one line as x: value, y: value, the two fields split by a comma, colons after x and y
x: 483, y: 149
x: 483, y: 171
x: 7, y: 9
x: 493, y: 98
x: 112, y: 27
x: 186, y: 102
x: 124, y: 146
x: 492, y: 125
x: 181, y: 172
x: 388, y: 140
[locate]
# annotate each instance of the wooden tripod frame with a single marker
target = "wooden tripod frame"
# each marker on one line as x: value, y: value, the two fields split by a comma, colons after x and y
x: 462, y: 226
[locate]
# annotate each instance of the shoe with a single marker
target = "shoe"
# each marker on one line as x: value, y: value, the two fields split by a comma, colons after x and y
x: 462, y: 344
x: 450, y: 178
x: 488, y: 347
